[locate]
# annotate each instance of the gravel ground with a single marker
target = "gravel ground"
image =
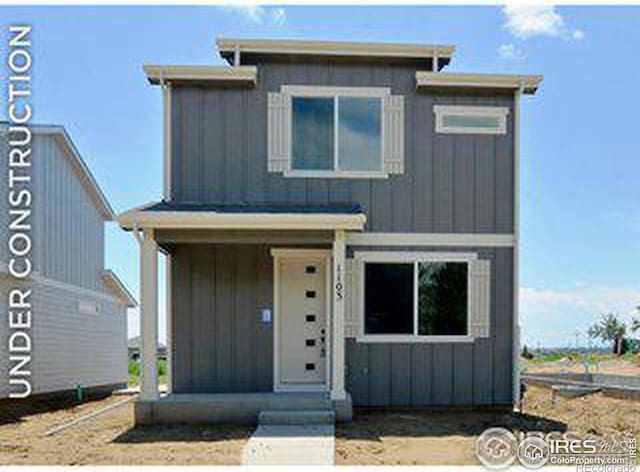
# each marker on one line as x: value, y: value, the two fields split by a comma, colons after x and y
x: 434, y: 438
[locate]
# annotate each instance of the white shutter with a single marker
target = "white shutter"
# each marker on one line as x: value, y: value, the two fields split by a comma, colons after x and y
x: 393, y: 134
x: 480, y: 298
x: 279, y: 132
x: 351, y: 300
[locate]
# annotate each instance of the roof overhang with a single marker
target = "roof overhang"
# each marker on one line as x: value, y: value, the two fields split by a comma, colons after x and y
x: 228, y: 47
x: 145, y: 217
x: 115, y: 285
x: 223, y: 75
x: 527, y: 83
x: 85, y: 176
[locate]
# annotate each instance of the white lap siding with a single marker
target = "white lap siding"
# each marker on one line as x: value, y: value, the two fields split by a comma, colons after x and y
x: 70, y: 347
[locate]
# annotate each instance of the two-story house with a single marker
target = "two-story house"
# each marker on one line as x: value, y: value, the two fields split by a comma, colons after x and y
x: 341, y: 228
x: 75, y: 314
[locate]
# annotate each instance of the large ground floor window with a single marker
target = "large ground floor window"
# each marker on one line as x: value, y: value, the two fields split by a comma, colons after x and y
x: 417, y: 295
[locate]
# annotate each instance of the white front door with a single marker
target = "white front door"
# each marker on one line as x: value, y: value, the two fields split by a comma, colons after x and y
x: 301, y: 321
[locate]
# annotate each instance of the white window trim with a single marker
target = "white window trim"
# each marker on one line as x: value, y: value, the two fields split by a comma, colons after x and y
x: 335, y: 93
x: 499, y: 112
x: 363, y: 257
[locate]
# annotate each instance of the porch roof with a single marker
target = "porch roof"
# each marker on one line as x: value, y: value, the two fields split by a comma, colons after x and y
x: 165, y: 215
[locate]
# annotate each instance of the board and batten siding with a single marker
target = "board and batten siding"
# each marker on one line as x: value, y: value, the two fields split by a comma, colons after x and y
x: 476, y: 373
x: 70, y: 347
x: 68, y: 229
x: 220, y: 345
x: 451, y: 183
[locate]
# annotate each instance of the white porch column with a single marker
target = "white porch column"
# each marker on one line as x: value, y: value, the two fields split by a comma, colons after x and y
x: 337, y: 335
x: 148, y: 317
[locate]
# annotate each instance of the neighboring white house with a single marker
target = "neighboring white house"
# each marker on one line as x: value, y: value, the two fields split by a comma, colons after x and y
x: 79, y: 308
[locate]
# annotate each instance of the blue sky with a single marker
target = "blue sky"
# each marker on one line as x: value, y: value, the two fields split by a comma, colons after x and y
x: 580, y: 172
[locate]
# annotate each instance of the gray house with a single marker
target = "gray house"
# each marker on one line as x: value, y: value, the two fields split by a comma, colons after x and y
x: 78, y: 309
x: 341, y: 228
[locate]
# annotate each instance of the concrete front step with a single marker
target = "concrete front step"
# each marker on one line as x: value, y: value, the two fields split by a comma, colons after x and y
x: 297, y: 417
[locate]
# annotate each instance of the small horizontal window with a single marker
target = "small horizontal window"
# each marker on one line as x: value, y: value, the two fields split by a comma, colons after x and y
x: 471, y: 120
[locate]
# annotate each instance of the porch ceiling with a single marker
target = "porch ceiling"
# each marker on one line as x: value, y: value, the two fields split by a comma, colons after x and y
x: 169, y: 215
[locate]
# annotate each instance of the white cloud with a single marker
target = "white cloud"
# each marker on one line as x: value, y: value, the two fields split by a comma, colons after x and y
x: 279, y: 16
x: 551, y: 317
x: 525, y: 21
x: 259, y: 15
x: 511, y: 53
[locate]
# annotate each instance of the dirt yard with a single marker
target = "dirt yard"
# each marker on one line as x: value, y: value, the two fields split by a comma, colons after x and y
x: 448, y: 438
x: 604, y: 365
x: 373, y: 438
x: 111, y: 439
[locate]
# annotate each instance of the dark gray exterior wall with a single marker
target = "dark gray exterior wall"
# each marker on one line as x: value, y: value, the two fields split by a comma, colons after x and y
x: 426, y: 374
x: 220, y: 345
x: 451, y: 183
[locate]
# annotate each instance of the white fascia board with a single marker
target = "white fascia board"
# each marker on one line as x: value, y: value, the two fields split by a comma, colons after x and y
x: 240, y: 74
x: 255, y: 221
x: 333, y: 48
x: 527, y: 83
x: 118, y: 288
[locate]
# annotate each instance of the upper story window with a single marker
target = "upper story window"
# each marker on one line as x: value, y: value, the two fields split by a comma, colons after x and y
x: 471, y: 119
x: 336, y: 132
x: 341, y: 133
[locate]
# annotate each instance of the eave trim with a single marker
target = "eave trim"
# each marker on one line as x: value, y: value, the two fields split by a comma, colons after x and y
x: 119, y: 290
x: 333, y: 48
x: 240, y: 221
x: 247, y: 75
x: 527, y: 83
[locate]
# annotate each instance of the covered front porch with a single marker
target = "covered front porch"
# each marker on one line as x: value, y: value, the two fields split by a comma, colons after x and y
x: 255, y: 309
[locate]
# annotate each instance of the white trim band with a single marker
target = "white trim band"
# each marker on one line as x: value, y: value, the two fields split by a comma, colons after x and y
x: 431, y: 239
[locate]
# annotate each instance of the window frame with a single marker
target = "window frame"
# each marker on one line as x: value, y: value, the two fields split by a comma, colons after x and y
x: 391, y: 257
x: 307, y: 91
x: 441, y: 111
